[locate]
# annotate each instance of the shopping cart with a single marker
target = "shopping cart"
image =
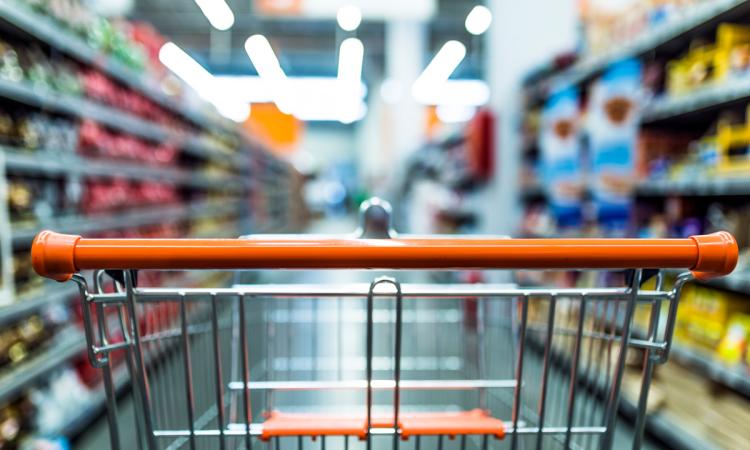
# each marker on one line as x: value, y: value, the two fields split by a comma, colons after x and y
x: 345, y: 365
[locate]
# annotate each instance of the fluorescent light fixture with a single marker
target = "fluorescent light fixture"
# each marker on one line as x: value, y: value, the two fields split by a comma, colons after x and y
x: 455, y: 113
x: 437, y: 72
x: 310, y: 98
x: 478, y: 20
x: 264, y: 59
x: 218, y: 13
x: 200, y: 79
x: 349, y: 77
x: 349, y: 17
x: 350, y: 62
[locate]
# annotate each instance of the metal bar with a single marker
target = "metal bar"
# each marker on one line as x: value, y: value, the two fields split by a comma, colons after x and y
x: 614, y: 398
x: 710, y: 254
x: 368, y: 369
x: 109, y: 389
x: 519, y: 373
x: 359, y: 290
x: 188, y: 376
x: 245, y: 373
x: 217, y: 368
x: 574, y: 371
x: 397, y: 358
x: 382, y: 385
x: 481, y: 362
x: 646, y: 377
x: 257, y: 430
x: 142, y: 377
x: 545, y: 368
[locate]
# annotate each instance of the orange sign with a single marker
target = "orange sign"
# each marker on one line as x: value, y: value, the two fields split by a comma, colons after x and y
x: 280, y: 132
x: 278, y: 7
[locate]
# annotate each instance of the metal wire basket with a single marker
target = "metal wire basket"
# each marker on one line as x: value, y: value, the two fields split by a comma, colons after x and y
x: 381, y: 364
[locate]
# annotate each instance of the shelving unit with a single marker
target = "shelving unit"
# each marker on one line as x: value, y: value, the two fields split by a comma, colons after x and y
x: 664, y: 36
x: 691, y: 113
x: 52, y: 163
x: 136, y: 218
x: 50, y: 294
x: 221, y: 183
x: 46, y: 30
x: 66, y: 345
x: 701, y: 100
x: 698, y: 187
x: 111, y: 117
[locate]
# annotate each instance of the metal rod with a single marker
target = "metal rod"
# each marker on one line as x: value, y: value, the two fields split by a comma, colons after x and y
x: 574, y: 371
x: 397, y: 357
x: 545, y: 369
x: 646, y: 377
x: 409, y: 291
x: 188, y: 375
x: 245, y: 373
x: 218, y: 376
x: 257, y: 430
x: 377, y: 385
x: 368, y: 357
x: 614, y: 399
x: 109, y: 389
x: 143, y: 388
x: 519, y: 373
x: 481, y: 351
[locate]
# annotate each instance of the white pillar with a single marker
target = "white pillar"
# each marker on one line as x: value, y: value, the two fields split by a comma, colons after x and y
x: 520, y: 38
x: 392, y: 130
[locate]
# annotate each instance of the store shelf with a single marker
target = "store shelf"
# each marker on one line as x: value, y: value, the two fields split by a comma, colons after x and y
x: 34, y: 301
x: 67, y: 344
x: 111, y: 117
x: 703, y: 99
x: 140, y: 217
x: 54, y: 163
x: 735, y: 378
x: 48, y: 31
x: 683, y: 27
x: 657, y: 423
x: 702, y: 187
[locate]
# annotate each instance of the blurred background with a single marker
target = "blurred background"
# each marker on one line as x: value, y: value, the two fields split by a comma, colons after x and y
x: 220, y: 118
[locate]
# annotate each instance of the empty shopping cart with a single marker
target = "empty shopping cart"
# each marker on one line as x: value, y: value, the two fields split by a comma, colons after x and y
x: 387, y: 363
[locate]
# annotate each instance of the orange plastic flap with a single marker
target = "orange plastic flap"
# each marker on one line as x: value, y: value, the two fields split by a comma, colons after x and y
x: 452, y: 424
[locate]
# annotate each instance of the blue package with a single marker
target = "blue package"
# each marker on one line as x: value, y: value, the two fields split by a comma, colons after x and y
x: 612, y: 128
x: 560, y: 163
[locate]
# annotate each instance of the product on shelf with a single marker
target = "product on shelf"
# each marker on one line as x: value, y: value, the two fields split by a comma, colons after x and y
x: 708, y: 62
x: 97, y: 141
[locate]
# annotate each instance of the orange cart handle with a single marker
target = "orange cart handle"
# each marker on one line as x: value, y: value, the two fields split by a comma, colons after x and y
x: 59, y: 256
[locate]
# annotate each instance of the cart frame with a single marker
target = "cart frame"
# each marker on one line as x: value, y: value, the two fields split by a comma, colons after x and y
x: 62, y: 257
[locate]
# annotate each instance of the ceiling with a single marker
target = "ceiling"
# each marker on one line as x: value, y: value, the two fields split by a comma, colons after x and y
x: 304, y: 46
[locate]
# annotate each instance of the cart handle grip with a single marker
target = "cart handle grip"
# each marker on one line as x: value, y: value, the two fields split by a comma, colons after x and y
x: 59, y: 256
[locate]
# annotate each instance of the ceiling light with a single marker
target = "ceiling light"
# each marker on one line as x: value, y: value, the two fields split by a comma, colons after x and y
x: 349, y: 77
x: 439, y: 69
x: 349, y: 17
x: 478, y: 20
x: 218, y: 13
x: 264, y: 59
x: 201, y: 80
x: 310, y: 98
